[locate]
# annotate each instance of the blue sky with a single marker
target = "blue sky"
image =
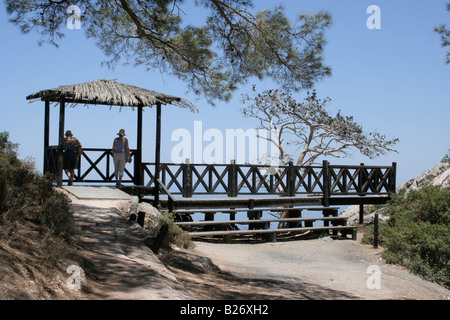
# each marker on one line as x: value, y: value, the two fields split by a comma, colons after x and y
x: 393, y: 80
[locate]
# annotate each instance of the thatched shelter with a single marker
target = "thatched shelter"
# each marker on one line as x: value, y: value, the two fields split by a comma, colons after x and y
x: 112, y: 93
x: 108, y: 92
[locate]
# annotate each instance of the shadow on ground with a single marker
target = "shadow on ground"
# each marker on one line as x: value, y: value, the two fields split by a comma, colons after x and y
x: 206, y: 281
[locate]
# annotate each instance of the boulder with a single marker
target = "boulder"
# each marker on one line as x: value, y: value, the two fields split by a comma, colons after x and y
x: 437, y: 175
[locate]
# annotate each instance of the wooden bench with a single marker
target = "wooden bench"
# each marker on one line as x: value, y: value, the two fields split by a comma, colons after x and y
x: 338, y: 224
x: 256, y: 213
x: 273, y: 232
x: 192, y: 211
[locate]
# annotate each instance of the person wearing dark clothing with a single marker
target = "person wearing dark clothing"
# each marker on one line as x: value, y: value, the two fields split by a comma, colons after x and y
x: 70, y: 155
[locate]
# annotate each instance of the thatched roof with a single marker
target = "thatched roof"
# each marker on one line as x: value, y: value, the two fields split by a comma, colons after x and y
x: 109, y: 92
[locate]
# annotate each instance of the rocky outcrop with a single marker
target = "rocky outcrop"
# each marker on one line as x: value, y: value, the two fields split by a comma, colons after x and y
x: 437, y: 175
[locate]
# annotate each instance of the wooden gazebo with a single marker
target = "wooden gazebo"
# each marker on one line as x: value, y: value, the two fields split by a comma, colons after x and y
x: 111, y: 93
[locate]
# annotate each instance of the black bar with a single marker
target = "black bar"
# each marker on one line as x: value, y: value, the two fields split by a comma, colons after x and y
x: 46, y: 133
x: 375, y: 231
x: 141, y: 218
x: 62, y: 109
x: 232, y: 179
x: 138, y: 177
x: 291, y: 180
x: 157, y: 151
x: 393, y: 178
x: 361, y: 213
x: 326, y: 183
x: 187, y: 180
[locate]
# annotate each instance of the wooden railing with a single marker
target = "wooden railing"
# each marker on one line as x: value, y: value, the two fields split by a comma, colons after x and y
x: 96, y: 165
x: 234, y: 180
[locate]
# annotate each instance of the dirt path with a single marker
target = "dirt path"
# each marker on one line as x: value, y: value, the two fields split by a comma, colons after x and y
x: 321, y: 269
x: 120, y: 266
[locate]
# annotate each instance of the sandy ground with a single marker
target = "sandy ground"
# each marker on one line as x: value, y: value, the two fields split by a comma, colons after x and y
x: 118, y: 265
x: 322, y: 269
x: 122, y: 267
x: 115, y: 263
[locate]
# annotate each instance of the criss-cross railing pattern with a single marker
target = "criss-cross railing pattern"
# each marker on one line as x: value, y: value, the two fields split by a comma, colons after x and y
x: 361, y: 180
x: 233, y: 179
x: 96, y: 165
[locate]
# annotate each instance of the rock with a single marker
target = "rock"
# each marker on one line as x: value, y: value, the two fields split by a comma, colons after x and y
x: 190, y: 262
x: 153, y: 218
x: 352, y: 214
x: 443, y: 179
x: 437, y: 175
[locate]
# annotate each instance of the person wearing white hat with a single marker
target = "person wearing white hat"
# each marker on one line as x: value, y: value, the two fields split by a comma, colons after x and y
x: 121, y: 155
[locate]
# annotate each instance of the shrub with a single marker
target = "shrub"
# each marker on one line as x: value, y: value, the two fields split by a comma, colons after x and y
x: 446, y: 158
x: 175, y: 235
x: 417, y: 234
x: 26, y: 194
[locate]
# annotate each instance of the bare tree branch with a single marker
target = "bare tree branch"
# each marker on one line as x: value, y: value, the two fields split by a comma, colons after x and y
x: 312, y: 128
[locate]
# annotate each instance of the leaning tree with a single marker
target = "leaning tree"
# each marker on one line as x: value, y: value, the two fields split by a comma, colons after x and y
x: 229, y: 44
x: 311, y: 128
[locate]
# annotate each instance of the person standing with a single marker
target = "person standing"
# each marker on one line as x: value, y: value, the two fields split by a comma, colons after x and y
x: 70, y: 155
x: 121, y: 155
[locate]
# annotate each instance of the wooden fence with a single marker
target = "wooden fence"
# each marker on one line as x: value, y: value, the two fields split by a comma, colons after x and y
x: 232, y: 180
x: 235, y: 179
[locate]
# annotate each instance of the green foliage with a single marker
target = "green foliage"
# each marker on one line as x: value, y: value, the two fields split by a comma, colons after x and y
x: 226, y: 47
x: 444, y: 31
x: 27, y: 195
x: 417, y: 234
x: 175, y: 235
x: 446, y: 158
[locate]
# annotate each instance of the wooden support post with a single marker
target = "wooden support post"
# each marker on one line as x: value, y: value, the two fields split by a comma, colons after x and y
x: 393, y: 179
x: 141, y: 218
x: 209, y: 216
x: 62, y: 109
x: 46, y: 134
x: 326, y: 183
x: 157, y: 152
x: 157, y: 242
x: 232, y: 214
x: 361, y: 179
x: 138, y: 176
x: 294, y: 214
x: 375, y: 231
x: 361, y: 213
x: 273, y: 237
x: 187, y: 179
x: 254, y: 215
x: 291, y: 180
x: 232, y: 179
